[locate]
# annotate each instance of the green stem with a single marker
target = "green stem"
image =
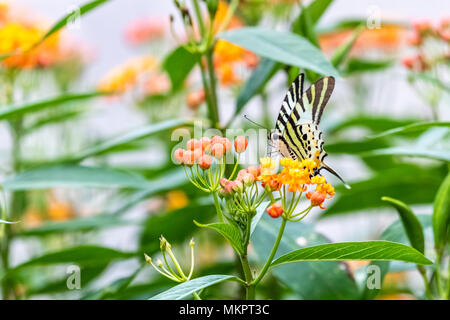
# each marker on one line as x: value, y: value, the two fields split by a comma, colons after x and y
x: 213, y: 86
x: 425, y: 282
x: 272, y: 253
x: 196, y: 296
x: 250, y: 287
x: 438, y: 273
x: 447, y: 294
x: 198, y: 13
x: 217, y: 205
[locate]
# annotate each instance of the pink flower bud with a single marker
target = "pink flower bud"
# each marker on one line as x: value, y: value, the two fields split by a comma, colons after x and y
x: 226, y: 144
x: 193, y: 144
x: 197, y: 154
x: 240, y: 144
x: 206, y: 142
x: 217, y: 150
x: 248, y: 179
x: 255, y: 171
x: 178, y: 156
x: 205, y: 162
x: 188, y: 158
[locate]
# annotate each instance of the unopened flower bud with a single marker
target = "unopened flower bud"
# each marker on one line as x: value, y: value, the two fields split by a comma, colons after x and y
x: 159, y: 263
x: 147, y: 258
x: 226, y: 144
x: 193, y: 144
x: 248, y: 179
x: 237, y: 186
x: 316, y: 198
x: 205, y: 142
x: 217, y: 150
x: 275, y: 210
x: 178, y: 156
x: 198, y: 153
x: 164, y: 244
x: 255, y: 171
x: 189, y: 158
x: 240, y: 144
x: 205, y: 162
x: 192, y: 243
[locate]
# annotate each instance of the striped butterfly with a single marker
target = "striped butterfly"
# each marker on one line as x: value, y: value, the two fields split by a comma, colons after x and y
x: 297, y: 134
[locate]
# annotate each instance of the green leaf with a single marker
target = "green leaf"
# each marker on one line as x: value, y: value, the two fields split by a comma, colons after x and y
x: 375, y: 124
x: 411, y: 151
x: 414, y: 127
x: 85, y: 255
x: 410, y: 222
x: 61, y: 23
x: 75, y: 225
x: 230, y: 232
x: 14, y: 111
x: 257, y: 81
x: 411, y: 183
x: 178, y: 64
x: 343, y: 51
x: 364, y: 250
x: 185, y: 289
x: 167, y: 181
x: 358, y: 65
x: 114, y: 288
x: 73, y: 176
x: 395, y: 233
x: 310, y: 280
x: 8, y: 222
x: 317, y: 8
x: 285, y: 47
x: 441, y: 214
x: 128, y: 137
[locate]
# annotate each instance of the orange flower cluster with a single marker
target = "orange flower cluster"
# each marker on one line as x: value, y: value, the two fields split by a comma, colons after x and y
x: 297, y: 176
x: 19, y: 36
x: 424, y: 59
x: 126, y: 76
x: 229, y: 57
x: 388, y: 38
x: 200, y: 151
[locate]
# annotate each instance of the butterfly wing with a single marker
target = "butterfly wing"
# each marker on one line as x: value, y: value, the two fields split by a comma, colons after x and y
x: 290, y: 102
x: 314, y: 100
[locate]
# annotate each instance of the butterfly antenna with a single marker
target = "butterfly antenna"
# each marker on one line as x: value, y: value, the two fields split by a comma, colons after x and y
x: 326, y: 167
x: 255, y: 123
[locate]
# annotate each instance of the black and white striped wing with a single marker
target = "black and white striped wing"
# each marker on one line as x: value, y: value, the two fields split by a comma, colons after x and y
x: 290, y: 102
x: 315, y: 99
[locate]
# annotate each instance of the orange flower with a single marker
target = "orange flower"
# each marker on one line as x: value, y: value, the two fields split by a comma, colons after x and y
x: 388, y: 38
x: 228, y: 56
x: 275, y: 210
x: 126, y: 76
x: 20, y: 38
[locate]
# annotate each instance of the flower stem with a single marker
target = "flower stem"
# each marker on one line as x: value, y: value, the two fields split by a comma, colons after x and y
x: 217, y: 205
x: 272, y: 253
x: 250, y: 287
